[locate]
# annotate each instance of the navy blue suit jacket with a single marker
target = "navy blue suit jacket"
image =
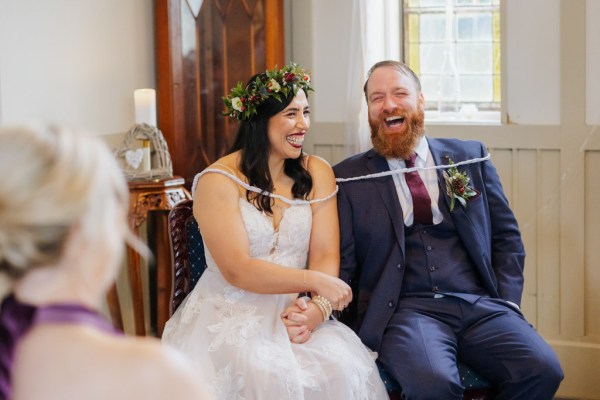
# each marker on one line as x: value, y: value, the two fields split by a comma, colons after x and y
x: 372, y: 234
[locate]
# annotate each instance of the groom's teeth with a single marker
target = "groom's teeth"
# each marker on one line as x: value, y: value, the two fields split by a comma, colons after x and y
x: 394, y: 121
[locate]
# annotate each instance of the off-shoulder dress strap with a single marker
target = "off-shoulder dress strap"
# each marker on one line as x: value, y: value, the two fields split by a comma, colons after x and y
x: 254, y: 189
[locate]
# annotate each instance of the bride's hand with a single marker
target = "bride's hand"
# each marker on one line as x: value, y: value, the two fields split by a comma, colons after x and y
x: 333, y: 289
x: 296, y: 322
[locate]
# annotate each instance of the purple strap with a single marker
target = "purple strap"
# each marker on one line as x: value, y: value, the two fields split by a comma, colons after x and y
x: 17, y: 318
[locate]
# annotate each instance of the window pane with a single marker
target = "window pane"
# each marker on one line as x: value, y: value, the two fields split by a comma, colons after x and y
x: 432, y: 58
x: 476, y: 88
x: 474, y: 27
x: 475, y: 58
x: 433, y: 28
x: 429, y: 86
x: 432, y: 3
x: 472, y: 2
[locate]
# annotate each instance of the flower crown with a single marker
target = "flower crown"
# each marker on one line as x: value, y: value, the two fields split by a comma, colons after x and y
x: 242, y: 102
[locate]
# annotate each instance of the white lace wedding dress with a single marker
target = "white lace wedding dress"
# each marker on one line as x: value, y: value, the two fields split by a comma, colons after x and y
x: 240, y: 344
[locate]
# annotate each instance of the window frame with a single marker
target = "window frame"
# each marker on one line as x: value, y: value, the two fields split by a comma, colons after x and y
x: 496, y: 115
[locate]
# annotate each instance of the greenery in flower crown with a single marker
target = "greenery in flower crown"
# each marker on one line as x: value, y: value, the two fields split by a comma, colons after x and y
x: 457, y: 186
x: 242, y: 102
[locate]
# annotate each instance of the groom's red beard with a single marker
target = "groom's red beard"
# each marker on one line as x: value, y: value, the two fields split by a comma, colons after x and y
x: 398, y: 145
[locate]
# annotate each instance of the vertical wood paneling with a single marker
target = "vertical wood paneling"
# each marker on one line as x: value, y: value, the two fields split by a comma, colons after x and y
x: 525, y: 208
x: 573, y: 134
x: 548, y: 242
x: 592, y: 244
x: 324, y: 151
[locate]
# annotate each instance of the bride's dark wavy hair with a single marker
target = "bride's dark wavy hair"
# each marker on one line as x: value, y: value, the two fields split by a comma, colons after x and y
x: 252, y: 141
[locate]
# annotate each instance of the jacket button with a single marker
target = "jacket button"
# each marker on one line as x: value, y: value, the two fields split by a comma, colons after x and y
x: 391, y: 304
x: 400, y: 266
x: 429, y: 248
x: 431, y: 268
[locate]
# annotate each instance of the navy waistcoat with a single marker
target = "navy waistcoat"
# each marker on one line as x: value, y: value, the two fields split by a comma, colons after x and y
x: 437, y: 262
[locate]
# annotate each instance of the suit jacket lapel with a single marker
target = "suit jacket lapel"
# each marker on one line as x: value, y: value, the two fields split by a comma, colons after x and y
x: 387, y: 190
x: 440, y: 157
x: 443, y: 157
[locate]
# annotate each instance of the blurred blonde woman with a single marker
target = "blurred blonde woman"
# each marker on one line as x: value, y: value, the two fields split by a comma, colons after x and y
x: 63, y: 203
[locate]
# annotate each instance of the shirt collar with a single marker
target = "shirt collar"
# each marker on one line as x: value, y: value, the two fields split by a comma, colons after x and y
x: 422, y: 149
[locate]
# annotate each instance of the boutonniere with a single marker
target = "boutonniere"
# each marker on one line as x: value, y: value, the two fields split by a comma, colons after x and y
x: 457, y: 186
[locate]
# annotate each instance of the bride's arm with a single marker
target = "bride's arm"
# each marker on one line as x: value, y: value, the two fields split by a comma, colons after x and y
x: 324, y: 250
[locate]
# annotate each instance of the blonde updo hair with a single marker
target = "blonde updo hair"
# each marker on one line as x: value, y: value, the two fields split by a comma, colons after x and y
x: 52, y: 180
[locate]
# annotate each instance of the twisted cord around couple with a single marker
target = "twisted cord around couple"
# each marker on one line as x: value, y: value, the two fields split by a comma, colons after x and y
x: 292, y: 202
x: 406, y: 170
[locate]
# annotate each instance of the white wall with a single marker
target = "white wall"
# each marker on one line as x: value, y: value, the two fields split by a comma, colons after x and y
x: 593, y: 62
x: 75, y: 62
x: 533, y: 62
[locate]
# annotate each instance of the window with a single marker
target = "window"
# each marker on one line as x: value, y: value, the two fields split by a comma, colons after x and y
x: 454, y: 47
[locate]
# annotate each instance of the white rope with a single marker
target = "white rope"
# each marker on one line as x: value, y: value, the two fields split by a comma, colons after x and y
x: 406, y: 170
x: 260, y: 191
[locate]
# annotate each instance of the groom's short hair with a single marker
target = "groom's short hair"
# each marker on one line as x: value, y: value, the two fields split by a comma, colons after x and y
x: 397, y: 65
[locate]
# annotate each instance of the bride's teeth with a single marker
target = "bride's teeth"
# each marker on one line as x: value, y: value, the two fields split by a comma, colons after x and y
x: 295, y: 139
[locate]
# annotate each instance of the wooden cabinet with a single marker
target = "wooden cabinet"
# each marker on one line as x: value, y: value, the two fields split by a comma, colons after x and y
x: 201, y: 53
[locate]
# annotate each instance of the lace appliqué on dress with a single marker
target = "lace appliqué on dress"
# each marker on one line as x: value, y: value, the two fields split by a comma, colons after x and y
x: 238, y: 323
x: 228, y: 386
x: 360, y: 386
x: 274, y: 358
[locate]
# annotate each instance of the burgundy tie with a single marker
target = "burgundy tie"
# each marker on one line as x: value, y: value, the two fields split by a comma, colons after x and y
x: 420, y: 196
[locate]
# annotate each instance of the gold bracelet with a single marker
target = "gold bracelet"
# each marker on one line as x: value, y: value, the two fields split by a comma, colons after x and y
x: 326, y: 304
x: 321, y: 307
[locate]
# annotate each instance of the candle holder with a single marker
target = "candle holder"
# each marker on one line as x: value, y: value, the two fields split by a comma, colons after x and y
x: 144, y: 154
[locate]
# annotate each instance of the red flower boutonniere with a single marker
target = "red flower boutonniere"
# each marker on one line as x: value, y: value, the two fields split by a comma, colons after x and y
x: 457, y: 186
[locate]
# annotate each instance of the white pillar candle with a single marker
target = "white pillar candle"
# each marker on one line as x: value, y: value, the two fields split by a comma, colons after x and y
x: 145, y: 106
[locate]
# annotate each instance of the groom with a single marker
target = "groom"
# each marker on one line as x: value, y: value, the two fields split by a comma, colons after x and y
x: 435, y: 259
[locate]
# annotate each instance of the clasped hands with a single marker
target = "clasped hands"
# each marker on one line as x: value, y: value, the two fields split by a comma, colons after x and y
x: 304, y: 315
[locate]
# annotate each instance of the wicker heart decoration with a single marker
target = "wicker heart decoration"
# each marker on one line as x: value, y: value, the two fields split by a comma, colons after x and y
x: 134, y: 157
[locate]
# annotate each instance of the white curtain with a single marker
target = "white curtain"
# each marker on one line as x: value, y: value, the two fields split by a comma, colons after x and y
x: 375, y: 36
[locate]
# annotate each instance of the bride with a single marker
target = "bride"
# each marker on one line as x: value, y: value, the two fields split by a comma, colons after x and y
x: 268, y: 217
